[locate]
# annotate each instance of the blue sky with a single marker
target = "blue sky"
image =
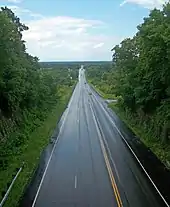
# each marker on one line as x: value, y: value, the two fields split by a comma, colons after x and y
x: 78, y: 29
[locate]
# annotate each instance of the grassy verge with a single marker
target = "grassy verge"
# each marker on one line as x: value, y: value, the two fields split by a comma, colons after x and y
x: 101, y: 92
x: 162, y: 151
x: 32, y: 149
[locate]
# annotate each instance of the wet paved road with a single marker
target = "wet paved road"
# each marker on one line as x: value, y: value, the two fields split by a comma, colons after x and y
x: 90, y: 164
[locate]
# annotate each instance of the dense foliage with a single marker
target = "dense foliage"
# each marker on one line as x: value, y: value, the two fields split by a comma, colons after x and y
x: 27, y: 91
x: 99, y: 74
x: 141, y: 73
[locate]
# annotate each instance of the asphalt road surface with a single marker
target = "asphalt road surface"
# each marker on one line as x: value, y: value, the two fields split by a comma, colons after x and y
x: 90, y: 164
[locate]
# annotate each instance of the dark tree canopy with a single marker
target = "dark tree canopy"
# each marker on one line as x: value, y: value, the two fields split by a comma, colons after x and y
x: 26, y: 88
x: 140, y: 73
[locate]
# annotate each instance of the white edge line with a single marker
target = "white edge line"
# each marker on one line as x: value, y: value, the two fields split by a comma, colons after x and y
x: 35, y: 199
x: 133, y: 153
x: 36, y: 196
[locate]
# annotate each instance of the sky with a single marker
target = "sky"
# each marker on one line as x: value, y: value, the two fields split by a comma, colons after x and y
x: 76, y: 30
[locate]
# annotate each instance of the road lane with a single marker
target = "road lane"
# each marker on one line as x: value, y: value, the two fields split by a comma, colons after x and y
x: 61, y: 170
x: 137, y: 189
x: 90, y: 164
x: 76, y: 175
x: 133, y: 185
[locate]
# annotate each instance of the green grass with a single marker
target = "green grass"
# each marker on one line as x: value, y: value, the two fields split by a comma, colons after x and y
x: 32, y: 150
x: 102, y: 93
x: 162, y: 151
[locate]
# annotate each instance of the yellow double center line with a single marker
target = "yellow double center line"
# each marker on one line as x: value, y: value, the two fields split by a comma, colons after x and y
x: 112, y: 179
x: 113, y: 182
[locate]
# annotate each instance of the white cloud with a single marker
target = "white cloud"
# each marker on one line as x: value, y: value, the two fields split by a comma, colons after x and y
x: 150, y: 4
x: 20, y: 11
x: 98, y: 45
x: 65, y: 37
x: 68, y: 38
x: 123, y: 3
x: 15, y: 1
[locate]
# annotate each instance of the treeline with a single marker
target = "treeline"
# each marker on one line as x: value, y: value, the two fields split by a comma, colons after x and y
x: 65, y: 70
x: 27, y: 91
x: 98, y: 74
x: 140, y: 74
